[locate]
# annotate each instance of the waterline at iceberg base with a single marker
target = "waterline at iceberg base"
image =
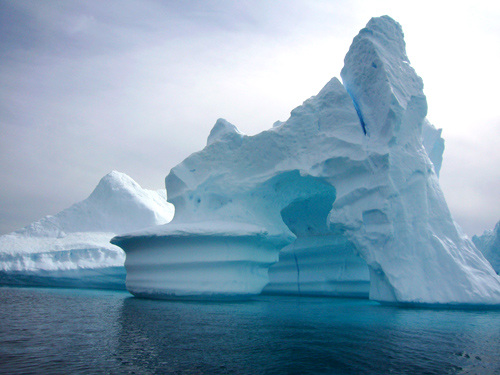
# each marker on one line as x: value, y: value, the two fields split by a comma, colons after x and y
x: 357, y: 165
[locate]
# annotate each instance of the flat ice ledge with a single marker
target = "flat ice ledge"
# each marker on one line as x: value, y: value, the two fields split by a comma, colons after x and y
x: 203, y: 229
x: 206, y: 260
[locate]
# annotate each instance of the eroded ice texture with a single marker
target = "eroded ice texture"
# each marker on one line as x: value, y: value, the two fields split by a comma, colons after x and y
x: 72, y: 248
x: 489, y: 244
x: 347, y: 183
x: 397, y: 216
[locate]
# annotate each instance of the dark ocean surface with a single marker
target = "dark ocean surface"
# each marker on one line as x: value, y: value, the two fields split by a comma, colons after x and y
x: 65, y: 331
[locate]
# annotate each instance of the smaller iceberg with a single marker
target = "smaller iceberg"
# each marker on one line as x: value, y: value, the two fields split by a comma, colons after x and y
x: 72, y: 249
x: 489, y: 244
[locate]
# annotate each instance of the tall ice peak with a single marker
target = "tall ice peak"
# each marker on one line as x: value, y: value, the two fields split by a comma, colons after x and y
x: 389, y: 32
x: 384, y: 87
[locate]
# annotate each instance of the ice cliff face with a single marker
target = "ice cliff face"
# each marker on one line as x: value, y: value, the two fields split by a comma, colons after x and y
x: 489, y: 244
x: 397, y: 216
x: 346, y: 189
x: 72, y: 247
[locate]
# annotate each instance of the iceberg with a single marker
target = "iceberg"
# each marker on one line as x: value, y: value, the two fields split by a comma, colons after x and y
x: 72, y: 249
x: 397, y: 216
x: 345, y: 194
x: 489, y: 244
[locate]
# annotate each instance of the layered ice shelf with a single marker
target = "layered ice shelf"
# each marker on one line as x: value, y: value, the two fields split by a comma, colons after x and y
x: 72, y: 249
x: 346, y: 189
x: 199, y: 260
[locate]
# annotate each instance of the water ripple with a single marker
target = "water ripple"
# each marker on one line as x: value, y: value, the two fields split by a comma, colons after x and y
x: 75, y: 331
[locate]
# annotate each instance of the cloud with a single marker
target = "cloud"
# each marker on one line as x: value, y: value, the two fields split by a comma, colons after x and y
x: 470, y: 178
x: 87, y: 87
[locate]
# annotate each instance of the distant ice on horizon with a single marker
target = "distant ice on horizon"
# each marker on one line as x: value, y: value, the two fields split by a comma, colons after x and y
x: 72, y: 247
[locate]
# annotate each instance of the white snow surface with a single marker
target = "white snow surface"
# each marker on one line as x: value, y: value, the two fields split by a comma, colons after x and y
x: 77, y: 238
x: 354, y: 167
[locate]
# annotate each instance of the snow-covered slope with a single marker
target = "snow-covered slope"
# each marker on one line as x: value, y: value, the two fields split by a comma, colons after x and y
x: 349, y: 183
x: 489, y: 244
x: 117, y: 204
x: 72, y: 247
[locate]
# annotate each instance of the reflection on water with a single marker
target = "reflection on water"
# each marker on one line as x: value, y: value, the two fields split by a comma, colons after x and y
x: 47, y: 330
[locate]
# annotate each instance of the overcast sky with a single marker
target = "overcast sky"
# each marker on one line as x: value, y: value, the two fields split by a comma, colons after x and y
x: 91, y: 86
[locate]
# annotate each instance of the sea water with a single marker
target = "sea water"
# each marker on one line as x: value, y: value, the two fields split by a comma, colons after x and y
x: 45, y: 331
